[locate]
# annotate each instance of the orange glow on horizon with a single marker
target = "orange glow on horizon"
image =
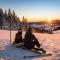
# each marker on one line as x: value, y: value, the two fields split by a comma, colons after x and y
x: 38, y: 19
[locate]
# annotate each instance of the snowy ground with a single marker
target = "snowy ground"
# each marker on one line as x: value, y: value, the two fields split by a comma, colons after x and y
x: 50, y: 42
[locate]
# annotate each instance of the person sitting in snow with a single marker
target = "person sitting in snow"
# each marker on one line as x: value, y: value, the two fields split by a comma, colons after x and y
x: 18, y: 37
x: 30, y: 40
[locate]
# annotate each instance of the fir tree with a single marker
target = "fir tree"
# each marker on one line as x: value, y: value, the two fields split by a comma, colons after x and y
x: 1, y: 18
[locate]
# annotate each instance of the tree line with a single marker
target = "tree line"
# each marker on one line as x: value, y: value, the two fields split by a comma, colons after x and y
x: 9, y: 20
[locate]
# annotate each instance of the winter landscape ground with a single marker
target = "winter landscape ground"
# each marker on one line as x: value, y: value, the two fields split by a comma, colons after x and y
x: 50, y: 42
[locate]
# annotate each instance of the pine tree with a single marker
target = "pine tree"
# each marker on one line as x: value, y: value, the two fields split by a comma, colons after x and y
x: 14, y: 16
x: 5, y: 22
x: 10, y: 18
x: 1, y: 18
x: 16, y: 20
x: 5, y: 15
x: 24, y: 20
x: 14, y: 13
x: 13, y: 19
x: 9, y: 13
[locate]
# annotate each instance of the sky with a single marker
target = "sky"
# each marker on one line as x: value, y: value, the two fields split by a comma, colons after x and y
x: 33, y: 8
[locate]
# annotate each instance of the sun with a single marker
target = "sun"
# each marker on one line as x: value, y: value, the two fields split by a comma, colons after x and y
x: 49, y: 20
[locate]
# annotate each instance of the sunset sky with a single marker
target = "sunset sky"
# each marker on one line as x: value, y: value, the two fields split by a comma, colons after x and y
x: 37, y: 9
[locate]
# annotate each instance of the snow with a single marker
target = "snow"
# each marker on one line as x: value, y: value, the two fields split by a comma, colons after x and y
x: 50, y: 42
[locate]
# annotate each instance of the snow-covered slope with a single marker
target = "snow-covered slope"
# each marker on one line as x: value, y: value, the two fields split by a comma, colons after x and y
x: 50, y: 42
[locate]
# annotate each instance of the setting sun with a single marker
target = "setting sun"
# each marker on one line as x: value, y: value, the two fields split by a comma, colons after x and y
x: 49, y: 20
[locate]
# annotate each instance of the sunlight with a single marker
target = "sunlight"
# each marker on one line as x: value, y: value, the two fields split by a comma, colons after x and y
x: 49, y: 20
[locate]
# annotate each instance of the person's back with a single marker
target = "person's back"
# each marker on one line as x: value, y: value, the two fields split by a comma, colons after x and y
x: 18, y: 37
x: 30, y: 40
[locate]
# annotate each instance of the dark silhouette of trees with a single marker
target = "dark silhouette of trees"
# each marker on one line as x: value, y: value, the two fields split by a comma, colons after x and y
x: 1, y: 18
x: 9, y: 20
x: 5, y: 15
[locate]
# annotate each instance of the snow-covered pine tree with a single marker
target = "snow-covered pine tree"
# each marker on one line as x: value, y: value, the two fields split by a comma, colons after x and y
x: 1, y: 18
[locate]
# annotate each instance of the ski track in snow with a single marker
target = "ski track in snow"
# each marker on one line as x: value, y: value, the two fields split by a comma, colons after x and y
x: 50, y: 42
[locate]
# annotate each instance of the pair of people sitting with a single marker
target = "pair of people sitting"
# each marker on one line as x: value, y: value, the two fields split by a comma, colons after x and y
x: 29, y: 40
